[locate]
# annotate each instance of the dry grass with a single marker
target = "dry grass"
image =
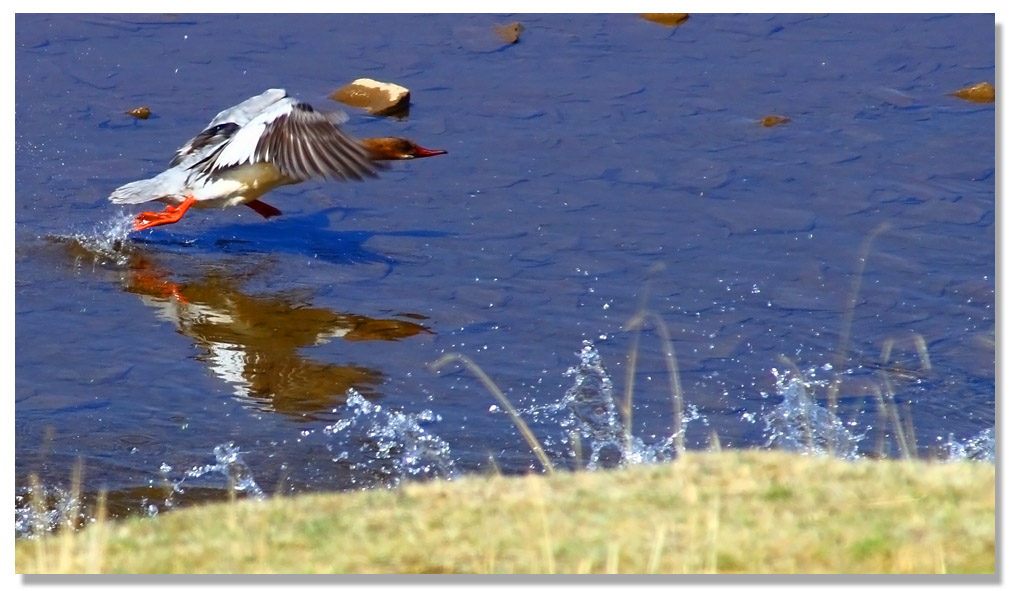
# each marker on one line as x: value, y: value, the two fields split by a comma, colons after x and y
x: 752, y: 512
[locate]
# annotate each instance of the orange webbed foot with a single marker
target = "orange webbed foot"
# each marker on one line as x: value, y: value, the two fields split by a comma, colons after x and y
x: 171, y: 215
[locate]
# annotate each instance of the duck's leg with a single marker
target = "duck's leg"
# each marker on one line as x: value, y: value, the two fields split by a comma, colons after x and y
x: 171, y: 215
x: 265, y: 209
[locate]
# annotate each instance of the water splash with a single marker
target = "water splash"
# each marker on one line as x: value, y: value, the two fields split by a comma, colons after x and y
x: 980, y: 448
x: 799, y: 424
x: 391, y: 444
x: 592, y: 411
x: 107, y: 243
x: 229, y: 463
x: 588, y: 409
x: 40, y: 510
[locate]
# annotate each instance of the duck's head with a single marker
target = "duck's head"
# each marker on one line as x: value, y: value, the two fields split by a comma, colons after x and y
x: 397, y: 148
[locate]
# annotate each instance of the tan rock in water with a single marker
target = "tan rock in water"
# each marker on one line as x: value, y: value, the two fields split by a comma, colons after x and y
x: 509, y: 33
x: 378, y: 98
x: 984, y: 92
x: 771, y: 120
x: 667, y: 19
x: 140, y: 112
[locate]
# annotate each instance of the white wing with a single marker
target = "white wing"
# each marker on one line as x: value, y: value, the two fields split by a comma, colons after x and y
x: 226, y: 123
x: 244, y: 112
x: 299, y: 141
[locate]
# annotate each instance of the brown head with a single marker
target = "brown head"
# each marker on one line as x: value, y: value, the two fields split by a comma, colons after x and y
x: 397, y: 148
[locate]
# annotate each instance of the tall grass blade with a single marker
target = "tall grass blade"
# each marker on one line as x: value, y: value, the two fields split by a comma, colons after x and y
x: 97, y: 534
x: 637, y: 323
x: 633, y: 354
x: 654, y: 556
x: 497, y: 393
x: 40, y: 541
x: 577, y: 448
x: 921, y: 349
x: 842, y: 350
x: 633, y: 359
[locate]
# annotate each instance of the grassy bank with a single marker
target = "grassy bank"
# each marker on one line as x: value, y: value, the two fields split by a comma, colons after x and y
x: 754, y: 512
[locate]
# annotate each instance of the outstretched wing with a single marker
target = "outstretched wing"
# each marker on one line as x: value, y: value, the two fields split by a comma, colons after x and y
x: 226, y: 123
x: 299, y: 141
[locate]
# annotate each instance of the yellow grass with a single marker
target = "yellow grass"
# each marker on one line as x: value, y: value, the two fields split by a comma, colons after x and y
x: 726, y: 512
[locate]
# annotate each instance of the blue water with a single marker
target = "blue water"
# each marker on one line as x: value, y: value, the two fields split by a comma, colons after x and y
x: 600, y: 165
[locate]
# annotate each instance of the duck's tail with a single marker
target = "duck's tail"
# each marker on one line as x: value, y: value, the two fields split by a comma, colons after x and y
x: 164, y: 186
x: 135, y: 192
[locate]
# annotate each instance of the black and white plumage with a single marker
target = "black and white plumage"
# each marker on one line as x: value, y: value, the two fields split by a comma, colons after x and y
x: 260, y: 144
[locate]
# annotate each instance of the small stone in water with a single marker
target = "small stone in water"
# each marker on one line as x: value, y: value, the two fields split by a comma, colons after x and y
x: 509, y: 33
x: 771, y: 120
x: 140, y: 112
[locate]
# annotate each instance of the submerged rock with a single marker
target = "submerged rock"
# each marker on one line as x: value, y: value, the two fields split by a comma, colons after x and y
x: 488, y: 40
x: 378, y: 98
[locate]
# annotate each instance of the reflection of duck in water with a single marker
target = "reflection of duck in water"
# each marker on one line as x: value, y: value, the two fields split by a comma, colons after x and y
x: 264, y: 142
x: 253, y: 342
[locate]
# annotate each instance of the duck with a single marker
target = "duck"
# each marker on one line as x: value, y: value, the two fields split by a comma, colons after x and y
x: 267, y: 141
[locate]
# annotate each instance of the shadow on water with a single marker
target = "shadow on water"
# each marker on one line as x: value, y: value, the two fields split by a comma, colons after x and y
x: 316, y: 240
x: 254, y: 342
